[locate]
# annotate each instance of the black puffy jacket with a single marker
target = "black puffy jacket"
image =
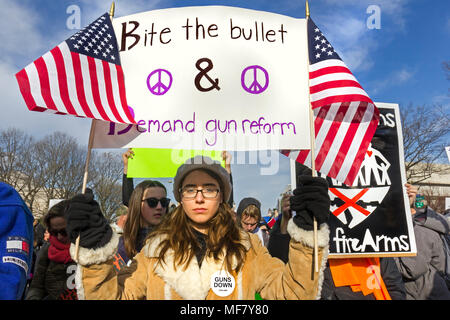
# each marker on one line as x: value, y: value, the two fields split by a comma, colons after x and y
x: 52, y: 280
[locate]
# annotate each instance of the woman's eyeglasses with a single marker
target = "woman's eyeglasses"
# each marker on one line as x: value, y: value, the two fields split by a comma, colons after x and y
x: 153, y: 202
x: 207, y: 193
x: 55, y: 233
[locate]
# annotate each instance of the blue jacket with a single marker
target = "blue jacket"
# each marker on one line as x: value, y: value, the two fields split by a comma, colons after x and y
x: 16, y: 243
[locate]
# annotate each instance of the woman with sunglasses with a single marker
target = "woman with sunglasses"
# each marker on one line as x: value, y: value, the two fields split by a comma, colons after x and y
x: 199, y: 252
x: 148, y: 204
x: 53, y: 278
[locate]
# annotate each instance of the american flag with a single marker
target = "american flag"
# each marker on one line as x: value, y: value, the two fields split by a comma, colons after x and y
x: 345, y: 118
x: 82, y: 76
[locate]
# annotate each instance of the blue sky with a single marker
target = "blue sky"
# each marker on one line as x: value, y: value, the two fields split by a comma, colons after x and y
x: 399, y: 62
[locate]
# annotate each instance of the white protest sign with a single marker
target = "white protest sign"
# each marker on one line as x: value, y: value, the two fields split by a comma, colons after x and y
x: 53, y: 202
x: 213, y: 77
x: 447, y: 149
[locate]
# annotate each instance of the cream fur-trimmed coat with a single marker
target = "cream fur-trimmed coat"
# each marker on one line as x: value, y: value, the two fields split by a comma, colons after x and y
x: 145, y: 279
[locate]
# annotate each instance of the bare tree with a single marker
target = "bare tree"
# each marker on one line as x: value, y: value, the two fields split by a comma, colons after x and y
x: 14, y: 144
x: 425, y: 134
x: 16, y: 165
x: 53, y: 168
x: 105, y: 176
x: 433, y: 197
x: 61, y: 165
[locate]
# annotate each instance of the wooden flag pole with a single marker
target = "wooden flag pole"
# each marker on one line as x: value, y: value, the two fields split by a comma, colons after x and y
x: 313, y: 158
x: 88, y: 156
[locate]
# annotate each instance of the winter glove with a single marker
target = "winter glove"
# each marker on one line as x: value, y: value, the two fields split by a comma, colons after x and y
x: 310, y: 200
x: 85, y: 218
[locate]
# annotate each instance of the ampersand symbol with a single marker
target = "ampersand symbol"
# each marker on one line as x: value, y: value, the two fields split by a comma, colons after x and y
x: 204, y: 73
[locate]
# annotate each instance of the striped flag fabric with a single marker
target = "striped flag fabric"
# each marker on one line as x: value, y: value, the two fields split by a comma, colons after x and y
x: 270, y: 220
x: 345, y: 118
x: 82, y: 76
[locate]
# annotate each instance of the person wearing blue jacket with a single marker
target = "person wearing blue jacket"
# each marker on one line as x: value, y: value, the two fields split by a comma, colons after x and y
x: 16, y: 243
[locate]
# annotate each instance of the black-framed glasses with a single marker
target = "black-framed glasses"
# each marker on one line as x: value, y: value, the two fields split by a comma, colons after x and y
x: 55, y: 233
x: 153, y: 202
x: 207, y: 193
x: 249, y: 224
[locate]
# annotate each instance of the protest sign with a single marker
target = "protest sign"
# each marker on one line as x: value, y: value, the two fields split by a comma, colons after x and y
x: 162, y: 163
x: 212, y: 78
x: 373, y: 217
x: 53, y: 202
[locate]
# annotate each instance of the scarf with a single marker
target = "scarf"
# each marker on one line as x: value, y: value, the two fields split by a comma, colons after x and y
x: 200, y: 251
x: 58, y: 251
x: 361, y: 274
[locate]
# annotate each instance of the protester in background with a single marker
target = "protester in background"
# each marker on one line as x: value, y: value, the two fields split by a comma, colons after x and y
x: 426, y: 274
x: 148, y: 205
x: 55, y: 270
x: 38, y: 242
x: 249, y: 216
x: 345, y: 279
x: 275, y: 213
x: 199, y: 239
x: 16, y: 243
x: 38, y: 231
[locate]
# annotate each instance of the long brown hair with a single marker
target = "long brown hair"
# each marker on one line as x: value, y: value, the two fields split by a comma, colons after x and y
x: 134, y: 218
x: 223, y: 234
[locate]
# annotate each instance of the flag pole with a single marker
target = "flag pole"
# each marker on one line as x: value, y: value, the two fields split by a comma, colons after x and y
x: 313, y: 158
x: 88, y: 156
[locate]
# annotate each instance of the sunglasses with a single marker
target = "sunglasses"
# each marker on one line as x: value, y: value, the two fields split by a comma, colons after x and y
x: 55, y: 233
x: 153, y: 202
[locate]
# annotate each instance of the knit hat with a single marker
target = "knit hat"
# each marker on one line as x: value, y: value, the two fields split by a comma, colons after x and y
x: 245, y: 203
x: 207, y: 164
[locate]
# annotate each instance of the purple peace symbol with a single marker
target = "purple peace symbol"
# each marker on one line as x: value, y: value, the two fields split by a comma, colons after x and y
x: 159, y: 88
x: 255, y: 87
x: 131, y: 111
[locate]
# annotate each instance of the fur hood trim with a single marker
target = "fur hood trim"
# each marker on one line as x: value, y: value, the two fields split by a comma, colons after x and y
x: 307, y: 237
x: 88, y: 256
x: 192, y: 283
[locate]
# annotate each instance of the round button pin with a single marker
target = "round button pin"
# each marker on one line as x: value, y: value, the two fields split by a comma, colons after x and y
x: 222, y: 283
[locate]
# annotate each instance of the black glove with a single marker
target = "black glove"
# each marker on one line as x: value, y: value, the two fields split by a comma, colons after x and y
x: 85, y: 218
x: 310, y: 200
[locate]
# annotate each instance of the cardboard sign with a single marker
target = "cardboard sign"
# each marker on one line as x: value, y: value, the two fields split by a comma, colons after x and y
x: 373, y: 217
x: 212, y: 78
x: 163, y: 163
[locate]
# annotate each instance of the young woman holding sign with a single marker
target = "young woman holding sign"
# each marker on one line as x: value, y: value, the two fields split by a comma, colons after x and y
x: 199, y: 252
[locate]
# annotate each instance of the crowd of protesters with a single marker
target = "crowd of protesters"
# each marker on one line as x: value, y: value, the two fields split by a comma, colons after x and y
x: 171, y: 248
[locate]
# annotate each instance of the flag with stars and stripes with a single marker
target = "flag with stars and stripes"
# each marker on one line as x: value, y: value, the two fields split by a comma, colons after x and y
x: 345, y: 118
x: 82, y: 76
